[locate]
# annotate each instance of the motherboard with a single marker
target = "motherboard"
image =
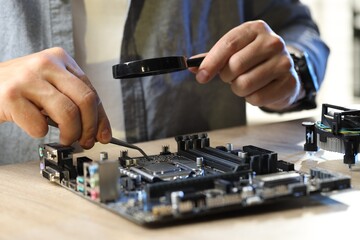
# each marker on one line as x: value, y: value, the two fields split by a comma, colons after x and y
x: 195, y: 181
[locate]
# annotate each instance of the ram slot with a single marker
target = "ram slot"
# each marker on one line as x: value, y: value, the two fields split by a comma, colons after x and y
x: 225, y: 155
x: 212, y: 161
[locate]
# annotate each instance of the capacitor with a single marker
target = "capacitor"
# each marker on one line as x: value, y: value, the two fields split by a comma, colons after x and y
x: 175, y: 200
x: 103, y: 156
x: 230, y: 147
x: 242, y: 154
x: 165, y: 150
x: 199, y: 162
x: 124, y: 154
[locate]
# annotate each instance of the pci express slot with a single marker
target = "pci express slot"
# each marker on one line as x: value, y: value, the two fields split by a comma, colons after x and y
x: 159, y: 189
x: 213, y: 161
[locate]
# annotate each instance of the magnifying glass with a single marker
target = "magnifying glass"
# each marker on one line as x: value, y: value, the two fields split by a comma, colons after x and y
x: 154, y: 66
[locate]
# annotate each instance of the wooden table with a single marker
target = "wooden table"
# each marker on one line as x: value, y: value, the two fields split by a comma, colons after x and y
x: 33, y: 208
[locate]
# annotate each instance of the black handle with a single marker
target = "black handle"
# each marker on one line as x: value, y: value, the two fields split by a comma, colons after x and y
x: 194, y: 62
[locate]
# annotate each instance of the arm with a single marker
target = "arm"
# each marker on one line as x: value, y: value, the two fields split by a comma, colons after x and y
x: 255, y: 60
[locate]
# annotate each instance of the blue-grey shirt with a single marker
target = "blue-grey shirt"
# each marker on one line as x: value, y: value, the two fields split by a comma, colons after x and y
x: 165, y: 105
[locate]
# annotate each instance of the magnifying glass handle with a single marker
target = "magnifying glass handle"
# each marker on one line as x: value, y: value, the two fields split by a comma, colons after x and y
x: 194, y: 62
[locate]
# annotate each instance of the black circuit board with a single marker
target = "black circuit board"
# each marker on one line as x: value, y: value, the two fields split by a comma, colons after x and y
x: 197, y: 180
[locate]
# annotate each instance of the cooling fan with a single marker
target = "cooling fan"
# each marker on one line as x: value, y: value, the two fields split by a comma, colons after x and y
x: 338, y: 131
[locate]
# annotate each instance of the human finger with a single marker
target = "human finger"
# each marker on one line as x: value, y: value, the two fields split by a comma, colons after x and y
x: 233, y: 41
x: 104, y: 129
x: 24, y: 113
x: 262, y: 75
x: 195, y: 69
x: 102, y: 132
x: 263, y: 48
x: 57, y: 106
x: 278, y: 92
x: 69, y: 79
x: 265, y: 96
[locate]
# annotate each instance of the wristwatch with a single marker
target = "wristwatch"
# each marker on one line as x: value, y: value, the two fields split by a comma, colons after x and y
x: 308, y: 79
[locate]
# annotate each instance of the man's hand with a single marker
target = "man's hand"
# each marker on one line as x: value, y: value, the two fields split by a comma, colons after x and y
x: 254, y: 60
x: 51, y: 83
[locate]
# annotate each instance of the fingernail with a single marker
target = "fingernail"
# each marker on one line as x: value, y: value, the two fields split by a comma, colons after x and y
x: 89, y: 143
x: 105, y: 134
x: 202, y: 76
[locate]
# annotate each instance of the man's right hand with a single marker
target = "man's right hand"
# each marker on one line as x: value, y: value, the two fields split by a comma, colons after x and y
x: 51, y: 83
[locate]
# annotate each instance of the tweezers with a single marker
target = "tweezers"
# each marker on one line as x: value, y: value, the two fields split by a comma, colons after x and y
x: 128, y: 145
x: 113, y: 140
